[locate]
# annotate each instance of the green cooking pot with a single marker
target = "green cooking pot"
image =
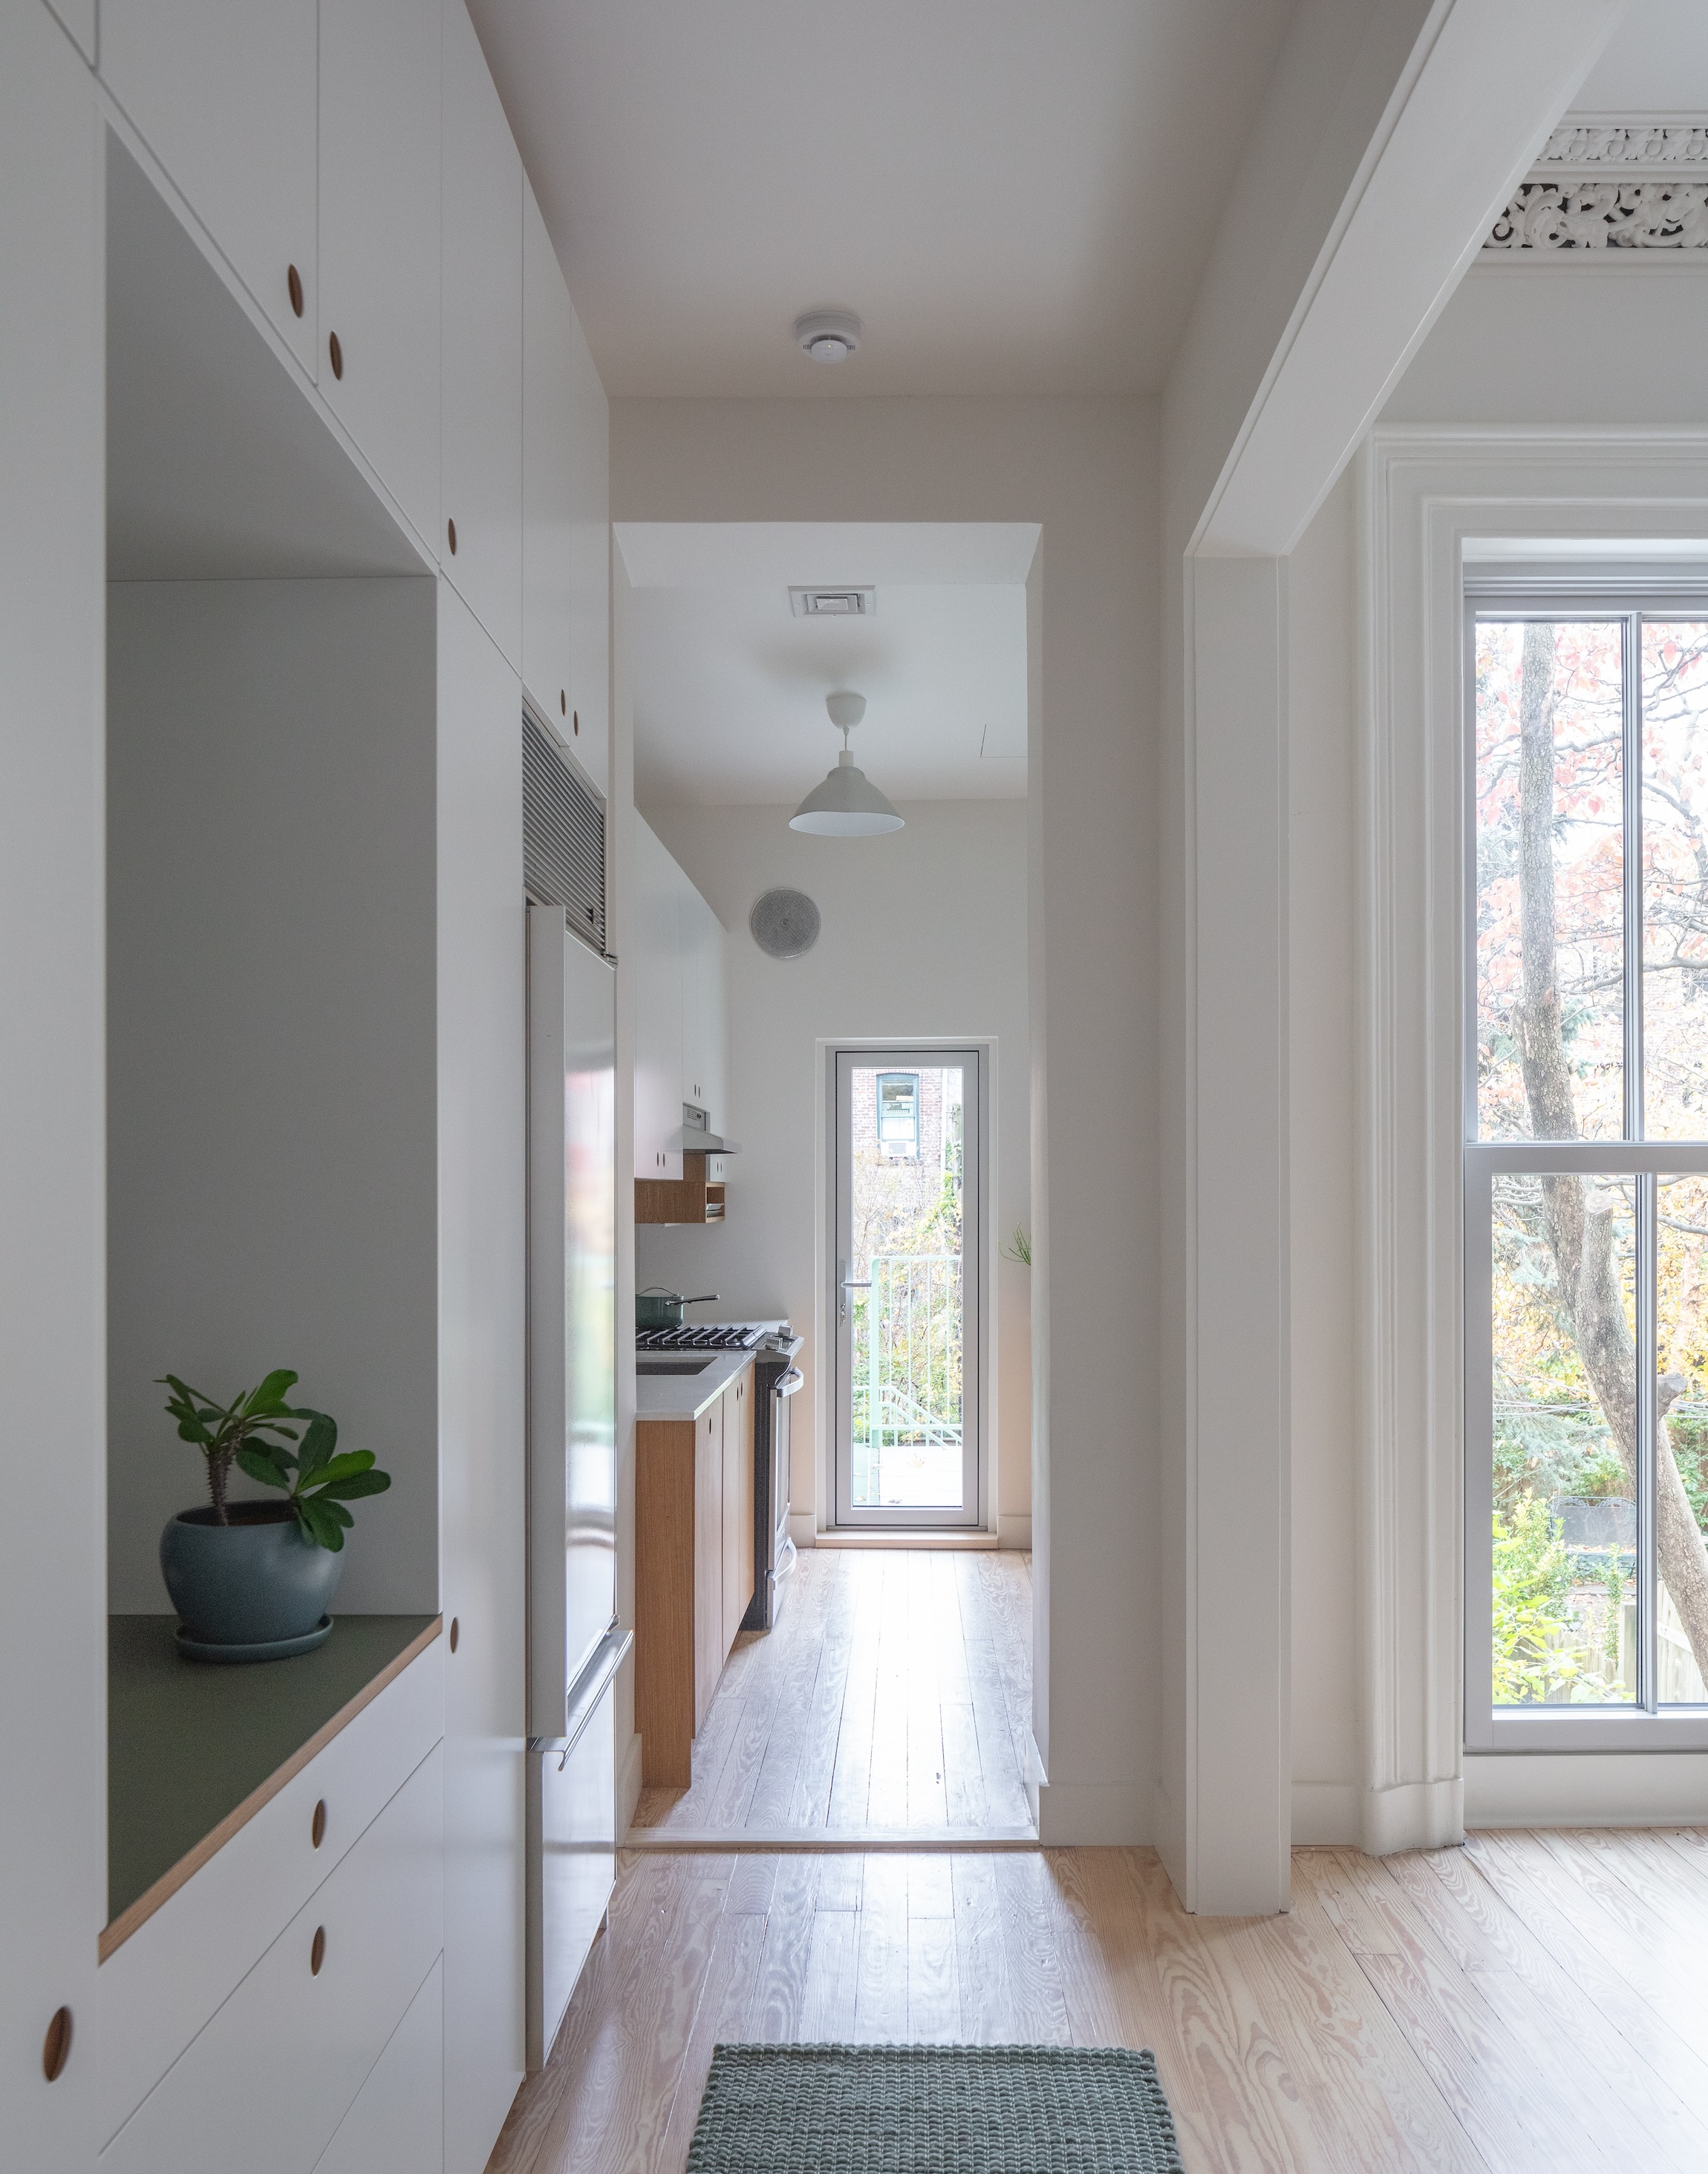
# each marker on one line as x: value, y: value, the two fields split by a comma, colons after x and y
x: 658, y: 1308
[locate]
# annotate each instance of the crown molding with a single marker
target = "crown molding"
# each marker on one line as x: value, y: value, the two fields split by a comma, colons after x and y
x: 1612, y: 181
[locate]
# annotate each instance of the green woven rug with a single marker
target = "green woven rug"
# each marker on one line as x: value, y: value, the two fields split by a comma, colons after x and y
x: 933, y: 2110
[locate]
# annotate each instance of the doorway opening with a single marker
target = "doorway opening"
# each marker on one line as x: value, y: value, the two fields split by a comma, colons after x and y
x: 907, y: 1288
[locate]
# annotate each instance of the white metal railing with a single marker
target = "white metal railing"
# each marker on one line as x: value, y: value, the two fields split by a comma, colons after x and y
x: 906, y: 1338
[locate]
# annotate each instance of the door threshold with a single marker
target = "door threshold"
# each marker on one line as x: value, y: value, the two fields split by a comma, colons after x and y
x: 893, y: 1536
x: 817, y: 1841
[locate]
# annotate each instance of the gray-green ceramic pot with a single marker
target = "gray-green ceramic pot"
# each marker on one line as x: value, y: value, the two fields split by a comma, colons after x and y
x: 249, y: 1582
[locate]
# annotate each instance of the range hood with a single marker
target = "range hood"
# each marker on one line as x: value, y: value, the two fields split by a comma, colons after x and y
x: 696, y: 1136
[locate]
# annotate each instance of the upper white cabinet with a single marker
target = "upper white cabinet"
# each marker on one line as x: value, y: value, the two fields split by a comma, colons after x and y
x: 590, y: 561
x: 547, y: 472
x: 566, y: 532
x: 224, y: 93
x: 480, y: 349
x: 679, y: 1006
x: 702, y: 1005
x: 657, y: 1007
x: 378, y: 364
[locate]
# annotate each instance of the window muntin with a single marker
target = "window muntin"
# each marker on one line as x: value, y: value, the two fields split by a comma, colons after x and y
x: 1587, y: 1266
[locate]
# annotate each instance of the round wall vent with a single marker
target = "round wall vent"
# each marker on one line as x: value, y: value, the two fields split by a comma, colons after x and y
x: 784, y: 924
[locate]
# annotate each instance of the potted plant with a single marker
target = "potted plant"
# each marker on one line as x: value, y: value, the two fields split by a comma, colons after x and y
x: 253, y: 1581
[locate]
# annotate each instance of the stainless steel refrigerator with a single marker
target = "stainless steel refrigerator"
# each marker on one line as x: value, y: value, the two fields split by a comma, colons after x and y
x: 575, y: 1643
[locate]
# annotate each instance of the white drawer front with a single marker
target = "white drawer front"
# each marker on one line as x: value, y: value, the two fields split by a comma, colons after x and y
x: 265, y: 2085
x: 571, y: 1818
x: 396, y: 2125
x: 158, y: 1990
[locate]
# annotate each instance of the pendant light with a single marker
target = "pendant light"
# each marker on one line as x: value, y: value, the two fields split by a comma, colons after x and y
x: 847, y: 805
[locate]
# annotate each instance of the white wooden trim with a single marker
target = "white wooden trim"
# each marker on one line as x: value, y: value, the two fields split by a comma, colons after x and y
x: 1421, y: 493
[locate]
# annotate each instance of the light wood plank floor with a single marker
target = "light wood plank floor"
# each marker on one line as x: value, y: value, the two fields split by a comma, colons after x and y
x: 1529, y: 2004
x: 896, y: 1694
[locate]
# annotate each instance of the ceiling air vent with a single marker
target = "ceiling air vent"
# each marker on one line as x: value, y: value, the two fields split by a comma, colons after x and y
x: 833, y: 603
x: 563, y: 827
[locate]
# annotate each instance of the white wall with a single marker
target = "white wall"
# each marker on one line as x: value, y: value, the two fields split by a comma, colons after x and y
x: 1613, y: 344
x: 923, y: 933
x: 272, y: 1105
x: 1321, y: 779
x: 1086, y: 471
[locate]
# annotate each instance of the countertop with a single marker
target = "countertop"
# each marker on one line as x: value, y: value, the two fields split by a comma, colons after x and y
x: 187, y: 1741
x: 686, y: 1396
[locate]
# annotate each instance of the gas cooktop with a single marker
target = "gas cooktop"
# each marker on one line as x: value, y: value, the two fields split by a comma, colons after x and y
x: 703, y: 1336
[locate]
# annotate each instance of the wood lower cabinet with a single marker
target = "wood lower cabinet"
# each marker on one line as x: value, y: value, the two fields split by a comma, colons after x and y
x: 693, y: 1572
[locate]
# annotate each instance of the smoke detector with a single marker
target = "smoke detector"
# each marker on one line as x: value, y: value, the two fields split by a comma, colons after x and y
x: 827, y: 335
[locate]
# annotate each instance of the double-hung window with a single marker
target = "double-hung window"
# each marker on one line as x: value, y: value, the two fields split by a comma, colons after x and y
x: 1586, y: 1160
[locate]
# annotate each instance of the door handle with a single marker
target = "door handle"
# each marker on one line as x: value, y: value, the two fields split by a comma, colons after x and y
x: 846, y: 1284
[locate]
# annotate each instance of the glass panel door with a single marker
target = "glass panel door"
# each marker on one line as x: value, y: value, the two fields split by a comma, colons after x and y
x: 905, y: 1301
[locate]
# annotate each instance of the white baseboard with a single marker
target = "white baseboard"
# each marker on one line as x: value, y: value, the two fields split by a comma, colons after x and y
x: 1093, y: 1814
x: 629, y: 1782
x: 802, y: 1530
x: 939, y: 1537
x: 1587, y: 1789
x: 1412, y: 1815
x: 1015, y: 1532
x: 1326, y: 1813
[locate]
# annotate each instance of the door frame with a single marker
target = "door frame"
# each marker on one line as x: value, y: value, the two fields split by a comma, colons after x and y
x: 977, y: 1390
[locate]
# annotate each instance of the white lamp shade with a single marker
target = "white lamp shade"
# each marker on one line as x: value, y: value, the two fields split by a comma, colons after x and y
x: 846, y: 804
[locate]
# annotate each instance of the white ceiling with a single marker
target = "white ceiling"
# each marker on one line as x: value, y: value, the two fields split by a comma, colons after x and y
x: 730, y: 687
x: 1014, y: 197
x: 1657, y: 62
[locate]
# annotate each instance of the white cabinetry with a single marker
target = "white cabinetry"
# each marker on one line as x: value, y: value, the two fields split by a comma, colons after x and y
x: 483, y: 1161
x: 265, y: 2085
x: 379, y: 240
x: 547, y: 472
x: 396, y: 2125
x: 657, y: 1007
x: 702, y: 1005
x: 679, y: 1033
x: 590, y: 561
x: 480, y: 348
x: 52, y: 606
x: 224, y: 93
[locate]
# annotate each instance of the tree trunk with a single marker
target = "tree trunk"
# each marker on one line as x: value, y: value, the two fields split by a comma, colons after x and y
x: 1578, y: 1212
x: 219, y: 1471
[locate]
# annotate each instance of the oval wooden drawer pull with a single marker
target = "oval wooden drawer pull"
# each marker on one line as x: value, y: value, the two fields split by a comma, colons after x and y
x: 335, y: 350
x: 575, y: 724
x: 56, y: 2046
x: 292, y: 280
x: 317, y: 1826
x: 450, y: 536
x: 318, y: 1952
x: 456, y: 1629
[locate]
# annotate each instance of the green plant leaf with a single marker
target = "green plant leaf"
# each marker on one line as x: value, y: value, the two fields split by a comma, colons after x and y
x: 347, y: 1461
x: 319, y: 1442
x: 269, y: 1397
x: 324, y: 1523
x: 352, y: 1490
x: 260, y: 1466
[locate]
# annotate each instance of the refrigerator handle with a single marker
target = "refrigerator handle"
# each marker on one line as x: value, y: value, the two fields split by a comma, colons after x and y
x: 586, y: 1692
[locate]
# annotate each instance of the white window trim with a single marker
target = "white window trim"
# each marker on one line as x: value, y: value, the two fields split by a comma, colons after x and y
x: 1421, y: 494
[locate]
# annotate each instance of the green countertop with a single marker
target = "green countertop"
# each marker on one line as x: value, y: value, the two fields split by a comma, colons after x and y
x: 187, y: 1741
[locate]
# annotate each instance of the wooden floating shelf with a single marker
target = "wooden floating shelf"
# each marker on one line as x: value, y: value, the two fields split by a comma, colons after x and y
x: 693, y: 1198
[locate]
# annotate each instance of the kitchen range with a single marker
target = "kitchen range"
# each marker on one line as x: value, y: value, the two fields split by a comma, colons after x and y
x: 708, y: 1356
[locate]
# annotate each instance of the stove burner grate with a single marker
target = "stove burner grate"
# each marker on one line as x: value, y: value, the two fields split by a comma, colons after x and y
x: 701, y: 1337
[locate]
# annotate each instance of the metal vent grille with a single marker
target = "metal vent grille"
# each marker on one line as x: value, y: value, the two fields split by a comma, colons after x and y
x: 563, y: 837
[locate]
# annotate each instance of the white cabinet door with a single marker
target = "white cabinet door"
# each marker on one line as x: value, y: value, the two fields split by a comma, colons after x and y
x: 266, y: 2084
x: 396, y: 2125
x: 53, y: 1885
x: 379, y: 238
x: 480, y: 346
x: 483, y: 1161
x: 590, y: 568
x: 548, y: 473
x: 657, y: 1007
x: 224, y: 93
x: 702, y: 1005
